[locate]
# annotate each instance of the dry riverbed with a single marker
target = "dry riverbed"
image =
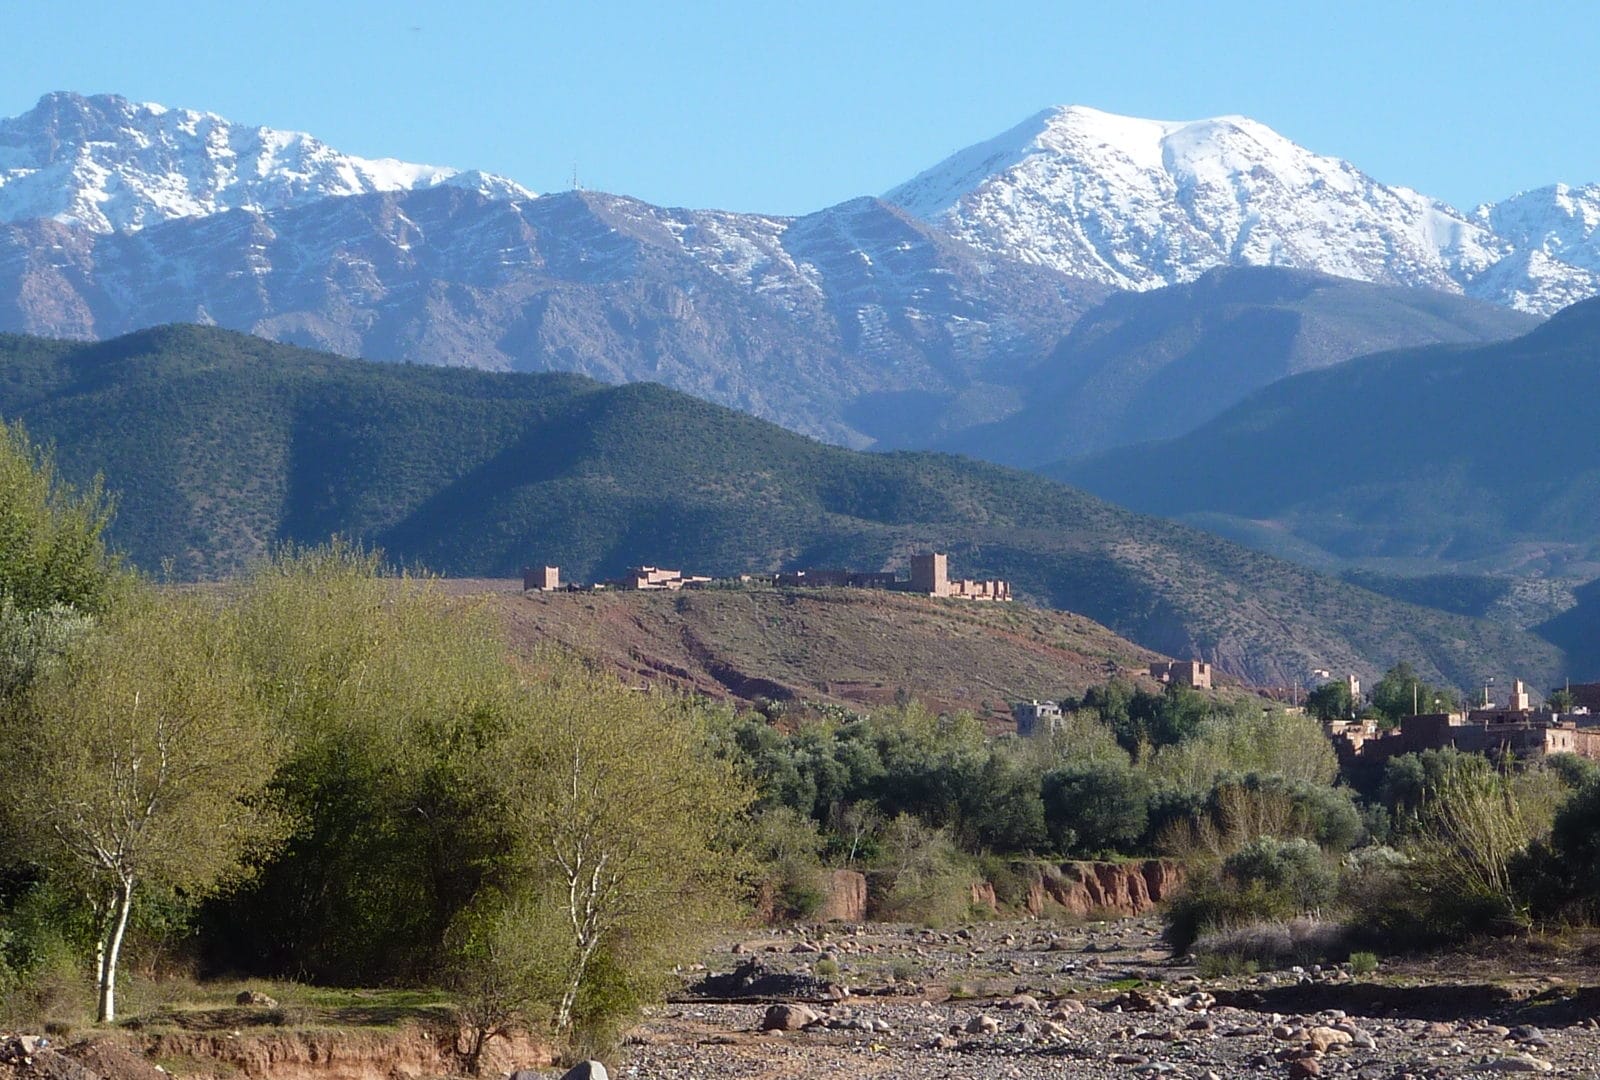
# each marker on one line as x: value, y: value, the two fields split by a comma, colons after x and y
x: 1035, y: 999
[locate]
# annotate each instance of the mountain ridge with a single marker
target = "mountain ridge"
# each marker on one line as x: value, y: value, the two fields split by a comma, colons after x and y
x: 223, y: 445
x: 1139, y: 204
x: 109, y: 164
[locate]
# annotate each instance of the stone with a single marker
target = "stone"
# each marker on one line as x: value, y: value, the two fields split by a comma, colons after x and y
x: 1304, y: 1069
x: 788, y: 1018
x: 982, y: 1025
x: 1324, y: 1039
x: 1022, y: 1001
x: 945, y: 1042
x: 1516, y: 1063
x: 586, y: 1070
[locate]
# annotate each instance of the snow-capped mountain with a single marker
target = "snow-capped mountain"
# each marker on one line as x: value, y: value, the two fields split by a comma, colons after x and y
x: 108, y: 164
x: 859, y: 323
x: 1138, y: 204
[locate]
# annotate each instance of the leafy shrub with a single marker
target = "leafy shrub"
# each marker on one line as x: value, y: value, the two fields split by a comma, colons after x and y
x: 1363, y: 963
x: 826, y: 969
x: 1267, y: 881
x: 1273, y: 944
x: 1096, y: 808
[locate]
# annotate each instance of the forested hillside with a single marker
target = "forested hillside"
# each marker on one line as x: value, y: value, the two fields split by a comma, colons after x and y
x: 221, y: 445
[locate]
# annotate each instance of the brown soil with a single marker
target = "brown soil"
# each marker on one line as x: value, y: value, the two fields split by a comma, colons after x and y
x: 854, y: 647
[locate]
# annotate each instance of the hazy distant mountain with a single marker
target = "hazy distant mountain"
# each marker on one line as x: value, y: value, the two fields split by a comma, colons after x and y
x: 1152, y: 365
x: 1484, y: 457
x: 1139, y: 204
x: 105, y: 163
x: 222, y: 445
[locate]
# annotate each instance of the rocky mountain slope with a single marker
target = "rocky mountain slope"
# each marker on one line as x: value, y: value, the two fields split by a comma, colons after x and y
x: 858, y: 323
x: 1138, y: 204
x: 862, y: 323
x: 221, y: 445
x: 107, y: 164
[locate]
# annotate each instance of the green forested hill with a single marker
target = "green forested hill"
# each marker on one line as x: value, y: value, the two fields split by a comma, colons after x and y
x: 1444, y: 458
x: 221, y: 444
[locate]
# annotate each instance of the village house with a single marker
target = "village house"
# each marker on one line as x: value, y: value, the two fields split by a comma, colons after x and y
x: 1518, y: 729
x: 654, y: 578
x: 1195, y: 674
x: 1036, y: 717
x: 541, y: 578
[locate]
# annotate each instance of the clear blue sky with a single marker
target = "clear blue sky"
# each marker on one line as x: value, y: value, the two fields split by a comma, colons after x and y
x: 790, y: 107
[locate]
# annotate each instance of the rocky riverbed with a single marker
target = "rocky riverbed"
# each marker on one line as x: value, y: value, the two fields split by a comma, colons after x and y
x: 1034, y: 999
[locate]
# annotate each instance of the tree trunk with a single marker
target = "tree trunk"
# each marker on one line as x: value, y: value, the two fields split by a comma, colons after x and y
x: 110, y: 949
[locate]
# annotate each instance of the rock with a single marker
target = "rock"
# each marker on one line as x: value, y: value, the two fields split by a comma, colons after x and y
x: 1065, y: 1008
x: 1323, y: 1039
x: 788, y: 1018
x: 1022, y: 1001
x: 1304, y: 1069
x: 944, y: 1042
x: 1128, y: 1059
x: 1516, y: 1063
x: 586, y: 1070
x: 982, y: 1025
x: 1137, y: 1001
x: 255, y: 999
x: 844, y: 897
x: 805, y: 947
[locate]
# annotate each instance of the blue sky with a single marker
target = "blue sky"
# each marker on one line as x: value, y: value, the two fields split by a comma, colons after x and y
x: 787, y: 108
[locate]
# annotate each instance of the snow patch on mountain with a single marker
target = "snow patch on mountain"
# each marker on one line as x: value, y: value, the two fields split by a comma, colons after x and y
x: 109, y: 164
x: 1139, y: 204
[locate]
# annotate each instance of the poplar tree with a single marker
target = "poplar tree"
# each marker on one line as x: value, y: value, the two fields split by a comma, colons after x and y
x: 141, y: 760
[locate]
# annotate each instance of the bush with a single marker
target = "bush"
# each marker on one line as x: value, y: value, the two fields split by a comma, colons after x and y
x: 1363, y: 963
x: 1096, y: 808
x: 1267, y: 881
x: 1273, y: 944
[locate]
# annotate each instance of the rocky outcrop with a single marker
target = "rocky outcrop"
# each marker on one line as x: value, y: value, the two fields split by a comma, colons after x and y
x: 983, y: 896
x: 844, y: 897
x: 1092, y: 888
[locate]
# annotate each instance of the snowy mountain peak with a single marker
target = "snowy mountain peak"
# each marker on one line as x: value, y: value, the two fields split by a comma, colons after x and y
x: 1139, y: 204
x: 110, y: 164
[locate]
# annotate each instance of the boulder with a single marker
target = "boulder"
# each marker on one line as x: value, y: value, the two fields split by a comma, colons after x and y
x: 255, y: 999
x: 982, y: 1025
x: 788, y: 1018
x: 586, y: 1070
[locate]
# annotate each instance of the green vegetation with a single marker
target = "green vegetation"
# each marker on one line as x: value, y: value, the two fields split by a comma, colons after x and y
x: 1477, y: 850
x: 927, y: 804
x: 222, y: 445
x: 326, y: 770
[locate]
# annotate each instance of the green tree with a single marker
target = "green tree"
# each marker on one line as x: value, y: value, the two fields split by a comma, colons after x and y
x: 142, y: 761
x: 1096, y: 808
x: 389, y: 694
x: 622, y: 815
x: 1402, y: 692
x: 51, y: 547
x: 1331, y: 701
